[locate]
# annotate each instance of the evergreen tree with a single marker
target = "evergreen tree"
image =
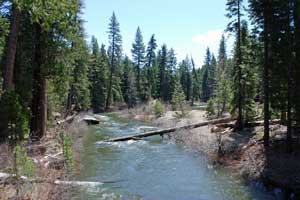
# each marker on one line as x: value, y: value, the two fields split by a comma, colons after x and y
x: 249, y: 71
x: 178, y: 99
x: 196, y: 91
x: 162, y: 65
x: 98, y: 76
x: 114, y: 54
x: 80, y: 85
x: 296, y: 19
x: 222, y: 87
x: 128, y: 84
x: 151, y: 72
x: 138, y: 54
x: 208, y: 76
x: 234, y: 8
x: 170, y: 74
x: 9, y: 64
x: 184, y: 71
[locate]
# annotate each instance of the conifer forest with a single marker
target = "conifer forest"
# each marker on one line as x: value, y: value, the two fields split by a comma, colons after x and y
x: 62, y: 90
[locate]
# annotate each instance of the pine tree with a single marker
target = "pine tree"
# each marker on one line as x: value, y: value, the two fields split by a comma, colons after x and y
x: 208, y: 76
x: 114, y: 54
x: 9, y: 64
x: 81, y: 84
x: 234, y: 8
x: 296, y: 18
x: 98, y: 76
x: 212, y: 76
x: 222, y: 86
x: 178, y: 99
x: 138, y: 55
x: 162, y: 65
x: 262, y: 13
x: 196, y: 92
x: 249, y: 71
x: 186, y: 78
x: 128, y: 84
x: 170, y: 74
x: 151, y: 72
x: 47, y: 64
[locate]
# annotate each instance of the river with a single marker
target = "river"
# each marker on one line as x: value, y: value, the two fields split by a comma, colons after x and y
x: 152, y: 169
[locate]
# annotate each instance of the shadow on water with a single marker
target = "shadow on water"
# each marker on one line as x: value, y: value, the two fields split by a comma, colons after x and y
x: 152, y: 169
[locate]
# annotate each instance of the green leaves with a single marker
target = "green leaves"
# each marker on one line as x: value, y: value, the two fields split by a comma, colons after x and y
x: 50, y: 12
x: 24, y: 166
x: 13, y: 118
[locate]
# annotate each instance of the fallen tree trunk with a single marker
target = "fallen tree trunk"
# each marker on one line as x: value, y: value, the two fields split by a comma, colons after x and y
x: 68, y: 119
x: 5, y: 176
x: 248, y: 125
x: 168, y: 130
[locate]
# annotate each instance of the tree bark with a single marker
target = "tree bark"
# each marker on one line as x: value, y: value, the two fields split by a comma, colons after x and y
x: 296, y: 16
x: 240, y: 120
x: 289, y: 57
x: 9, y: 63
x: 39, y: 97
x: 266, y: 14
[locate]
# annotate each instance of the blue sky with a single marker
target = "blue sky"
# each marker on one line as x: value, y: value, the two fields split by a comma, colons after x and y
x: 188, y: 26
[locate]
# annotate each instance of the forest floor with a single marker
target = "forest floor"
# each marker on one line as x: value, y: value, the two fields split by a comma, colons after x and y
x: 47, y: 156
x: 242, y: 152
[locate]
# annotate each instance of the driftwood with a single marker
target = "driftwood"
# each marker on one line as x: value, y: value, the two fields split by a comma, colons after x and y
x: 5, y: 177
x: 168, y: 130
x: 248, y: 125
x: 68, y: 119
x: 90, y: 120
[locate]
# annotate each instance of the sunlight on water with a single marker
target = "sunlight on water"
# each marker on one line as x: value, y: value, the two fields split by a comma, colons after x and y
x: 152, y: 169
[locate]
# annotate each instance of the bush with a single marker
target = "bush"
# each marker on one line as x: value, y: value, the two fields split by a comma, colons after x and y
x: 178, y: 101
x: 23, y: 165
x: 13, y: 118
x: 66, y: 142
x: 158, y: 109
x: 210, y: 109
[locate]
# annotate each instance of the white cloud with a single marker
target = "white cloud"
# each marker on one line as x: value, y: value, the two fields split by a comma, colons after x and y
x: 209, y: 39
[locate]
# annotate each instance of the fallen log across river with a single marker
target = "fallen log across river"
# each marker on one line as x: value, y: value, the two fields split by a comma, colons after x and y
x: 169, y: 130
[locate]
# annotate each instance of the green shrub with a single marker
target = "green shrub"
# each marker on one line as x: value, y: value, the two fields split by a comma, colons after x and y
x: 23, y: 165
x: 158, y: 109
x: 66, y: 142
x: 178, y: 101
x: 210, y: 109
x: 13, y: 118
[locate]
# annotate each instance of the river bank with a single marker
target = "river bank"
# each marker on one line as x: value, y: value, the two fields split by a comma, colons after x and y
x: 242, y: 153
x: 152, y: 168
x: 49, y: 163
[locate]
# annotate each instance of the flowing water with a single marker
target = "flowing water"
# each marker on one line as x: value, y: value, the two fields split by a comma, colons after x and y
x: 152, y: 169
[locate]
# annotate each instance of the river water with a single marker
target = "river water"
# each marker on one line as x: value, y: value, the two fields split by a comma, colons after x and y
x: 152, y: 169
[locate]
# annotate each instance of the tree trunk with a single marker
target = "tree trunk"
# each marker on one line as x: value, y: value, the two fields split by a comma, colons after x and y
x: 108, y: 98
x: 289, y: 57
x: 267, y: 14
x: 297, y: 60
x: 39, y: 97
x: 169, y: 130
x: 9, y: 63
x: 240, y: 119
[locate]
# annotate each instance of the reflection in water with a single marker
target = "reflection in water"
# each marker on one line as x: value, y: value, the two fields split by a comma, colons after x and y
x: 152, y: 169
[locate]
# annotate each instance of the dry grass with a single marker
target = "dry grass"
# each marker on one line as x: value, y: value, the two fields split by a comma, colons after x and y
x: 39, y: 152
